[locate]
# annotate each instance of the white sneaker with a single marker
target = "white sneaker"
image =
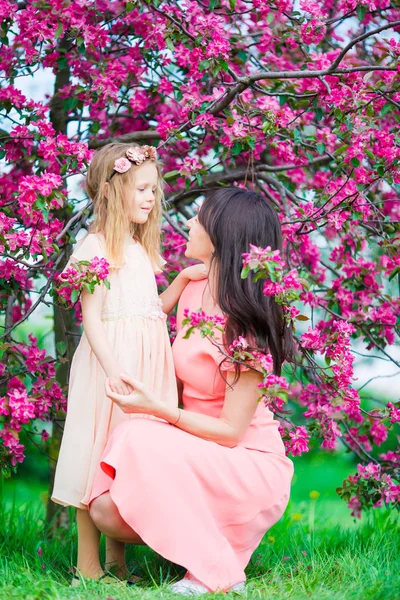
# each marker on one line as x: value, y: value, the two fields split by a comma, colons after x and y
x: 186, y: 587
x: 189, y: 586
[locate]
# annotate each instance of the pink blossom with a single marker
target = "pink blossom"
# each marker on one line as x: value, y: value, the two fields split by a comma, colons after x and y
x: 297, y: 441
x: 312, y: 339
x: 355, y: 505
x: 369, y: 471
x: 122, y: 165
x: 394, y: 413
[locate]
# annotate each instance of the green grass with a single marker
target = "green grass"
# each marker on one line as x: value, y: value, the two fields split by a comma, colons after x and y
x: 316, y: 551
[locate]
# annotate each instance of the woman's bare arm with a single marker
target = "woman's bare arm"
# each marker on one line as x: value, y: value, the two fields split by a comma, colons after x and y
x: 241, y: 400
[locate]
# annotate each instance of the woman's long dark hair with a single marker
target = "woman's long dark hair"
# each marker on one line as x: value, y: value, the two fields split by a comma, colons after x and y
x: 234, y: 218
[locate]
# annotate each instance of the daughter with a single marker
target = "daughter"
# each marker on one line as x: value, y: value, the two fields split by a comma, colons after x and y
x: 124, y: 330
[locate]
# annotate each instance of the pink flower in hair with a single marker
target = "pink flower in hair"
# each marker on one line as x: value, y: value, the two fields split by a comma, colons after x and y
x: 122, y: 165
x: 136, y: 155
x: 151, y: 152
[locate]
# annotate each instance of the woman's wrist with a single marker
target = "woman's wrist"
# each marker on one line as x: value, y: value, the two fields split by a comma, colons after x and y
x: 171, y: 414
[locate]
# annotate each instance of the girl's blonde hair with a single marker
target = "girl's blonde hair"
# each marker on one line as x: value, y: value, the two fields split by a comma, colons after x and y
x: 110, y: 212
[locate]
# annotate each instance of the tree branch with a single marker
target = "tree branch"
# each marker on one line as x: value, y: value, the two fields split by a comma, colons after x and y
x: 134, y: 136
x: 360, y: 38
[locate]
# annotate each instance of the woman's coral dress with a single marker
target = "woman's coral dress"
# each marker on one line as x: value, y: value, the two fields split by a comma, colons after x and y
x: 197, y: 503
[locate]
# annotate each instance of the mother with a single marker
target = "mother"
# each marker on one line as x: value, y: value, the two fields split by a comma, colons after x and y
x: 201, y: 485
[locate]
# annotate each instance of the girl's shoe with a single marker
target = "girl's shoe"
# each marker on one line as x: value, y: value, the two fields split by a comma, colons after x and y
x: 132, y: 580
x: 190, y: 586
x: 78, y: 580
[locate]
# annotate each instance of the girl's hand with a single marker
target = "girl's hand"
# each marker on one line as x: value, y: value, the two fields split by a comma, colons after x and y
x: 138, y: 400
x: 195, y: 273
x: 118, y: 385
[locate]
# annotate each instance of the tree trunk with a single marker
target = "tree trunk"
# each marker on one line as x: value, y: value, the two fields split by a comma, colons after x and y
x: 65, y: 329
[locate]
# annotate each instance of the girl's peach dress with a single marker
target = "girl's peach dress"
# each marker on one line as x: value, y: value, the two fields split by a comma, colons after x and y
x: 197, y: 503
x: 136, y: 329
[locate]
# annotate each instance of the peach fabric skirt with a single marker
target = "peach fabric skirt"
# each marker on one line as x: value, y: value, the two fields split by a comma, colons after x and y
x: 199, y: 504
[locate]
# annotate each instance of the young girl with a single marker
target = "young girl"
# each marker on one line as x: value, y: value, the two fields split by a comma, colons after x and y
x: 124, y: 330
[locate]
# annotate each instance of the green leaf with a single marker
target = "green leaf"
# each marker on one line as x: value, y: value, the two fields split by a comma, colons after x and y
x: 355, y: 162
x: 224, y: 66
x: 270, y: 18
x: 394, y: 273
x: 388, y: 107
x: 62, y: 63
x: 338, y: 113
x: 302, y: 318
x: 381, y: 171
x: 245, y: 272
x: 169, y: 44
x: 199, y: 179
x: 361, y: 11
x: 319, y: 114
x: 296, y: 136
x: 106, y: 283
x: 59, y: 31
x: 204, y: 64
x: 74, y: 296
x: 320, y: 148
x: 369, y: 154
x: 282, y: 99
x: 237, y: 148
x: 61, y: 348
x: 130, y: 6
x: 370, y: 110
x: 171, y: 174
x: 70, y: 103
x: 94, y: 127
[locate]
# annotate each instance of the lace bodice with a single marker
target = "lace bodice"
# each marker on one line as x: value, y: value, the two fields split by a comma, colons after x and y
x: 133, y: 288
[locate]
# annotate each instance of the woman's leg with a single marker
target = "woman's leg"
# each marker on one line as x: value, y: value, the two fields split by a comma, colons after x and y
x: 107, y: 519
x: 88, y: 563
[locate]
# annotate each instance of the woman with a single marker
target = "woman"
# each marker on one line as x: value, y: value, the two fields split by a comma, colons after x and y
x: 201, y: 485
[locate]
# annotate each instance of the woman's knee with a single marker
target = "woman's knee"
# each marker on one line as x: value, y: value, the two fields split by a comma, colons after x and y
x: 101, y: 510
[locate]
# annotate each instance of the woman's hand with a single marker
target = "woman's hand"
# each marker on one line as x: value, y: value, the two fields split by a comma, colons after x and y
x: 139, y: 400
x: 195, y: 272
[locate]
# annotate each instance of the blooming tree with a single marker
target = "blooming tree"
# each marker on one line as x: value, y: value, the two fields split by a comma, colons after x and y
x: 298, y: 101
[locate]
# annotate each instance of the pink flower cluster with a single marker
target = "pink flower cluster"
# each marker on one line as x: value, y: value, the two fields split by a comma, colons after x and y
x: 296, y: 440
x: 18, y: 407
x: 80, y: 275
x: 285, y: 287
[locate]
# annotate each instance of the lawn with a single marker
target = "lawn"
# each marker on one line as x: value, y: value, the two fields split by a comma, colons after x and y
x: 316, y: 551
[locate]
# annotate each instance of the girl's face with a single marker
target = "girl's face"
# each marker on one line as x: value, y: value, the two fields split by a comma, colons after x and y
x: 140, y: 198
x: 199, y: 245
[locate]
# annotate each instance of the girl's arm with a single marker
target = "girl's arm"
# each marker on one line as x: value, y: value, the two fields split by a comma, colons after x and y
x: 97, y: 338
x: 240, y: 405
x: 173, y: 292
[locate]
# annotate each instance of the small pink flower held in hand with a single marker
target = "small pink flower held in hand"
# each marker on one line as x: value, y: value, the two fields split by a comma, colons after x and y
x: 122, y: 165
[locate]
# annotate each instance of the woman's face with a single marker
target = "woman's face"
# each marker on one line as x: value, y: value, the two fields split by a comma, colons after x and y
x: 199, y: 245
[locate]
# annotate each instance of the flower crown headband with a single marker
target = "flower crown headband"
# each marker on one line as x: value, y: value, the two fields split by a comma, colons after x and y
x: 134, y: 154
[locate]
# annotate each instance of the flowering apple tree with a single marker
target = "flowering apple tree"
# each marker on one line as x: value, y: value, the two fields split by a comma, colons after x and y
x: 297, y: 100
